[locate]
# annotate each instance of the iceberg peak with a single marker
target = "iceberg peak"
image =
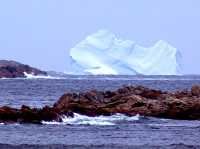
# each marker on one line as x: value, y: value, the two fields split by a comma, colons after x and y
x: 103, y: 53
x: 101, y: 39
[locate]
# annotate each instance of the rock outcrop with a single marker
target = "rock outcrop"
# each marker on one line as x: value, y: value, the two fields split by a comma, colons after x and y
x: 27, y: 114
x: 131, y: 101
x: 128, y: 100
x: 13, y: 69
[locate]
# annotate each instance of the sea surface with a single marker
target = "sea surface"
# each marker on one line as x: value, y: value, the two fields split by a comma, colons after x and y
x: 117, y: 131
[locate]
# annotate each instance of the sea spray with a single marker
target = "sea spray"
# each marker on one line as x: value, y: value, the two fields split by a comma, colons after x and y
x: 99, y: 120
x: 32, y: 76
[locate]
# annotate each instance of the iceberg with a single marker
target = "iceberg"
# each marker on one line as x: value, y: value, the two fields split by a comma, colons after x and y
x: 102, y: 53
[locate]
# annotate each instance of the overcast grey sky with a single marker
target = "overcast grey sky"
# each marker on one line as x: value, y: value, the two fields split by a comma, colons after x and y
x: 41, y: 32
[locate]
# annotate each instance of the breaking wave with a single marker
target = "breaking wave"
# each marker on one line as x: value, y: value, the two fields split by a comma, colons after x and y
x: 99, y: 120
x: 31, y: 76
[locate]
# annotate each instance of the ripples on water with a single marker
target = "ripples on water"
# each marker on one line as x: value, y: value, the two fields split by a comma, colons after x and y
x: 40, y: 92
x: 85, y: 131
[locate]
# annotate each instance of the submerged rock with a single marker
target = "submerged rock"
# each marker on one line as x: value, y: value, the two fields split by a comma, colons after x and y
x: 128, y: 100
x: 13, y: 69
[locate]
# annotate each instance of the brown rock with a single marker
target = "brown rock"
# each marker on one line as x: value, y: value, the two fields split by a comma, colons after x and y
x: 127, y: 100
x: 195, y: 90
x: 133, y: 100
x: 12, y: 69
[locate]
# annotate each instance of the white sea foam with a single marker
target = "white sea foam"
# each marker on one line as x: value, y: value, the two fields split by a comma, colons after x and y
x: 99, y: 120
x: 32, y: 76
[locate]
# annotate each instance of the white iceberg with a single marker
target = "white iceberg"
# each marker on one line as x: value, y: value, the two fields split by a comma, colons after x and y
x: 102, y: 53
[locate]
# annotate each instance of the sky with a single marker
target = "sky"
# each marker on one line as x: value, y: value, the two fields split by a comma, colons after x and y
x: 41, y: 32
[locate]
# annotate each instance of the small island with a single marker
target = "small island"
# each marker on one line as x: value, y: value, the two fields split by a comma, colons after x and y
x: 13, y: 69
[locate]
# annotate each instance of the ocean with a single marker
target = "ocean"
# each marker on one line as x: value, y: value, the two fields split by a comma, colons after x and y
x: 117, y: 131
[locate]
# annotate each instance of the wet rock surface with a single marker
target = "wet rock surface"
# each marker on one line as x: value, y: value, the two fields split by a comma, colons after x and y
x: 27, y: 114
x: 129, y: 100
x: 13, y: 69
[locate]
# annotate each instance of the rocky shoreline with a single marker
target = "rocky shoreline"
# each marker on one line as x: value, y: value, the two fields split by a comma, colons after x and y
x: 129, y: 100
x: 13, y: 69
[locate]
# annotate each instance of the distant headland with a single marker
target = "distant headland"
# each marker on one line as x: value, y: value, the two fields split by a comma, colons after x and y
x: 13, y: 69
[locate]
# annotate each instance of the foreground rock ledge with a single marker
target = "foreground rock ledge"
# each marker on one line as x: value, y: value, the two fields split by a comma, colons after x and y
x: 128, y: 100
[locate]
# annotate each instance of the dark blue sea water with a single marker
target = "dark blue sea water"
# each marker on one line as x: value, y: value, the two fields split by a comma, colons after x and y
x: 101, y: 132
